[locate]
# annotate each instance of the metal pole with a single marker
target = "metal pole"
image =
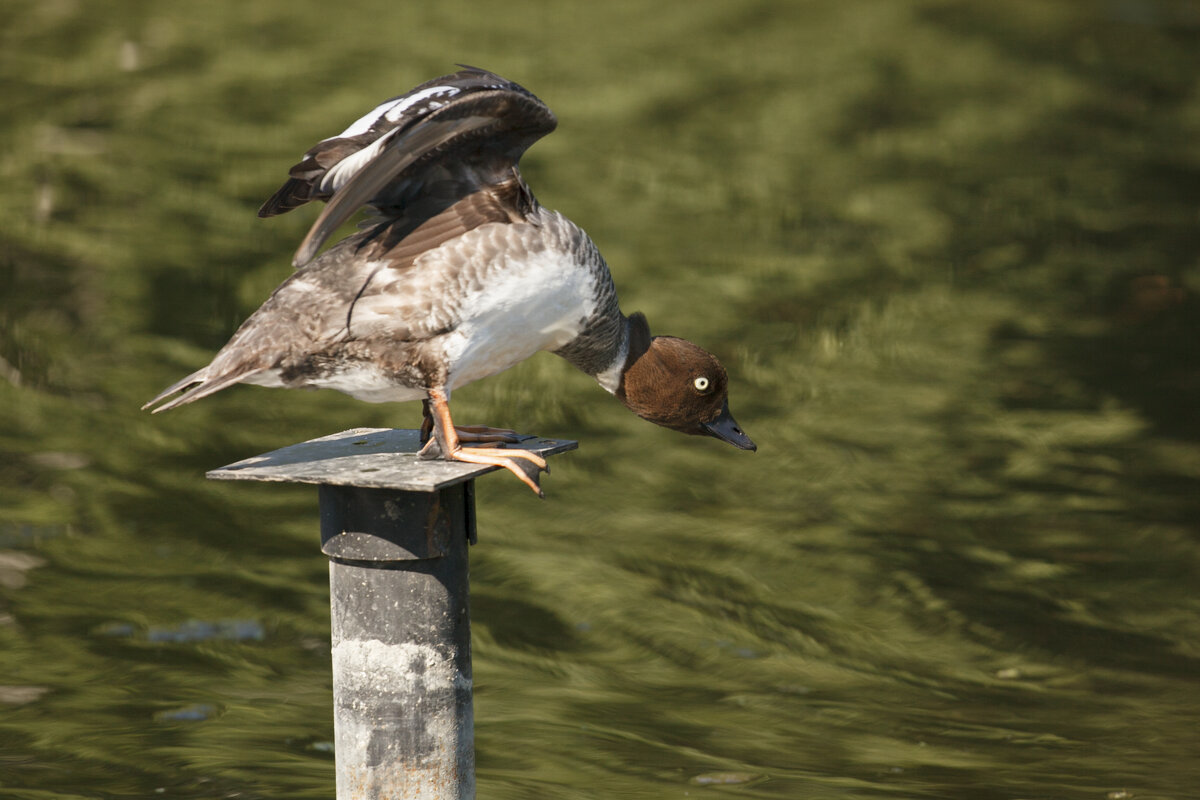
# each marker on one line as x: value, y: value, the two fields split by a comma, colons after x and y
x: 395, y: 529
x: 401, y: 629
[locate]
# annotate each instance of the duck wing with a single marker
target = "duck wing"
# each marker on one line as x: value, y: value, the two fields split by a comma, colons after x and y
x: 414, y: 156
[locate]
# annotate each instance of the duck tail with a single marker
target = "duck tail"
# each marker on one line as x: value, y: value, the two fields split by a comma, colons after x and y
x: 204, y: 386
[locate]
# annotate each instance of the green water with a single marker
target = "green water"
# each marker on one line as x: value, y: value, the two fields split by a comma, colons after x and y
x: 949, y: 253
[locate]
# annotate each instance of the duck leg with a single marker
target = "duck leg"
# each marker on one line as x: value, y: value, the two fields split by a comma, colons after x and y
x: 468, y: 433
x: 426, y: 424
x: 525, y: 465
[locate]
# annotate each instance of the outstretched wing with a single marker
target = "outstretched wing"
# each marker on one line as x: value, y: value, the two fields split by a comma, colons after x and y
x: 416, y: 155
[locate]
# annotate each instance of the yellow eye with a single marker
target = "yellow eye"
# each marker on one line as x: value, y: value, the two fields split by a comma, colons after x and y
x: 702, y: 383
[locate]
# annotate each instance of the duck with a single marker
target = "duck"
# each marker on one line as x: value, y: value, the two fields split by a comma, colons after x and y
x: 457, y: 274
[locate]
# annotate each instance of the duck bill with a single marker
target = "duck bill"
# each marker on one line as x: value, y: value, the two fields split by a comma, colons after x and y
x: 725, y: 428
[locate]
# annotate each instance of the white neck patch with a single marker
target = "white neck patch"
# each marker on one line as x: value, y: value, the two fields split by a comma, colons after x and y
x: 610, y: 378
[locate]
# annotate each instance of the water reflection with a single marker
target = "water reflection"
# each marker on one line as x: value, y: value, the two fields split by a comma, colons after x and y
x: 947, y: 252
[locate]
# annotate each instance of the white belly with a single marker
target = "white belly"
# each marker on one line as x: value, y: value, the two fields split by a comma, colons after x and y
x: 541, y: 303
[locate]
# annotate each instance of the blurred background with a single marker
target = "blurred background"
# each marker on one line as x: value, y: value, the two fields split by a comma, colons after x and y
x: 948, y: 252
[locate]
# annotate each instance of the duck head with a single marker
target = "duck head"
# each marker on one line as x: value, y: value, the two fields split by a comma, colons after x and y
x: 676, y: 384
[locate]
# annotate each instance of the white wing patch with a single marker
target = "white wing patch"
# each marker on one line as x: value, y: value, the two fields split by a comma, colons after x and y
x: 392, y: 110
x: 397, y: 109
x: 340, y: 173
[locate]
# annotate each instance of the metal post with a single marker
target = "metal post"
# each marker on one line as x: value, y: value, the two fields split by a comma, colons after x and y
x: 401, y: 630
x: 396, y: 531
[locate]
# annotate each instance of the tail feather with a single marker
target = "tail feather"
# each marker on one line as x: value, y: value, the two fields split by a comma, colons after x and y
x: 203, y: 387
x: 293, y: 194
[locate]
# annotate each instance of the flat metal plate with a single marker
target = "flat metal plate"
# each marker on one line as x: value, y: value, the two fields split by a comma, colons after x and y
x: 380, y: 458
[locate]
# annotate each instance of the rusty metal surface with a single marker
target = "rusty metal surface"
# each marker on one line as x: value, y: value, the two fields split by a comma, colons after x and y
x: 381, y: 458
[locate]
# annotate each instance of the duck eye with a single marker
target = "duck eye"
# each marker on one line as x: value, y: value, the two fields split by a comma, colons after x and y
x: 701, y: 384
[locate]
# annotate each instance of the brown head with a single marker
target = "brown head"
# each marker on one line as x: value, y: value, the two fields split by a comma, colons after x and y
x: 673, y: 383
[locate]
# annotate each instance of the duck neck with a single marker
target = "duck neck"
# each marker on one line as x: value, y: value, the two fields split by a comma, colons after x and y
x: 601, y: 348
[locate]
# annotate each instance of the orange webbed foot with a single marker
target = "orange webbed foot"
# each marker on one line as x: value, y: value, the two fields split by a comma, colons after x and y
x: 447, y: 439
x: 478, y: 435
x: 525, y: 465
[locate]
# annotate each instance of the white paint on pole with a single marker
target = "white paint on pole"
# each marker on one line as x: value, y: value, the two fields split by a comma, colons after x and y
x: 422, y: 748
